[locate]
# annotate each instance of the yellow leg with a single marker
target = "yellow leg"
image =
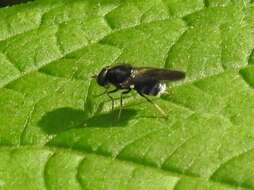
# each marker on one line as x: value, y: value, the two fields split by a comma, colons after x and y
x: 155, y: 105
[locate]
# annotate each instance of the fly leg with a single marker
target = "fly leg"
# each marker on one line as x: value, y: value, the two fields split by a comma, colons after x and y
x: 107, y: 92
x: 111, y: 98
x: 155, y: 105
x: 121, y: 102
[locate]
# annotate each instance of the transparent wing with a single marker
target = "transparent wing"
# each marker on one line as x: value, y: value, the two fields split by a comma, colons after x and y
x: 159, y: 74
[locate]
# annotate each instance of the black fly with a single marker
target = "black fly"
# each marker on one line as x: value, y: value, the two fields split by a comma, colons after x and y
x: 145, y: 80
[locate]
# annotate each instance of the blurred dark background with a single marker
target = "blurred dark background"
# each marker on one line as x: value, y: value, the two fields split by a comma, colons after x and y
x: 4, y: 3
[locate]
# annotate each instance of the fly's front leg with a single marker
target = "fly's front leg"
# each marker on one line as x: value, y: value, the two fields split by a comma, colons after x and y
x: 112, y: 99
x: 121, y: 102
x: 107, y: 92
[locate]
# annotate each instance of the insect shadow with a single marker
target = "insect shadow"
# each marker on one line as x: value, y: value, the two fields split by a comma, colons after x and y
x: 63, y: 119
x: 105, y: 119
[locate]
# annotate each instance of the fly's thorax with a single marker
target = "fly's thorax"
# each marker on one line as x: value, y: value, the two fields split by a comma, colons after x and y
x: 119, y: 74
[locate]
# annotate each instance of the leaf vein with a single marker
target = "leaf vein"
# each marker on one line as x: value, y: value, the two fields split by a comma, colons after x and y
x: 239, y: 154
x: 27, y: 121
x: 46, y: 166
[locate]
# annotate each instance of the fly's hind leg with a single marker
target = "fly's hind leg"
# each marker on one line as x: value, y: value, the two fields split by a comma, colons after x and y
x: 121, y: 102
x: 155, y: 105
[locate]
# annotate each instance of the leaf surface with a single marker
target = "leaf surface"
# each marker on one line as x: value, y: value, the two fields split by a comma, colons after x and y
x: 55, y: 132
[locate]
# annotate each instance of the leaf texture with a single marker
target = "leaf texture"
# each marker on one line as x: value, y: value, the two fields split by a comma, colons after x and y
x: 56, y: 133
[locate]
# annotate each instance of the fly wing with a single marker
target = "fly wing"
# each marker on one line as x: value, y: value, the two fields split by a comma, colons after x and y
x: 159, y: 74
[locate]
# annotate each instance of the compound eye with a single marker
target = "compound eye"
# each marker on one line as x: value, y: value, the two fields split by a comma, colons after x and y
x: 102, y: 77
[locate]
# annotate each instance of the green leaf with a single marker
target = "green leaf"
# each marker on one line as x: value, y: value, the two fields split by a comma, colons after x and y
x: 57, y: 133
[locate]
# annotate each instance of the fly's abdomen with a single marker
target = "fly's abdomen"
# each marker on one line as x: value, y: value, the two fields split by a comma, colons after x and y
x: 150, y: 86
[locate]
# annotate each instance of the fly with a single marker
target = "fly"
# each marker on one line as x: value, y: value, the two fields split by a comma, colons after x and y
x: 146, y: 81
